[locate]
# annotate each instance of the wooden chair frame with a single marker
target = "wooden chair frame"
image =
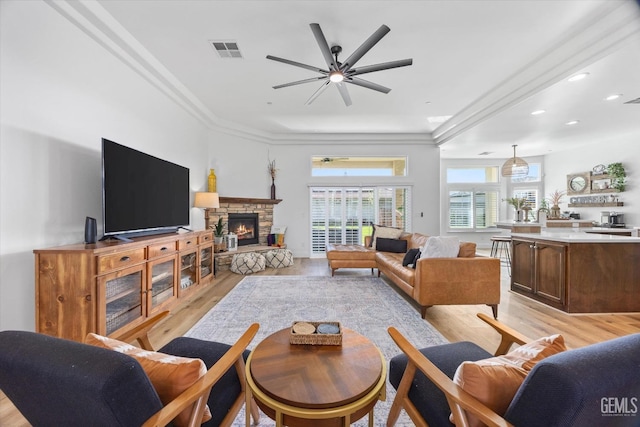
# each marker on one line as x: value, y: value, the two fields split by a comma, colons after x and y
x: 197, y: 395
x: 459, y: 400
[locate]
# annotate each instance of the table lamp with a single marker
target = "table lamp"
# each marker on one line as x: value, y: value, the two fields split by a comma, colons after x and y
x: 206, y: 201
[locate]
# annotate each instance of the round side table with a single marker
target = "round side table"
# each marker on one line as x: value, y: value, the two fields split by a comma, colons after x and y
x: 316, y: 385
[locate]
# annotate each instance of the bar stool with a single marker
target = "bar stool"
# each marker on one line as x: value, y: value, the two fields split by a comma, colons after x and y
x: 501, y: 245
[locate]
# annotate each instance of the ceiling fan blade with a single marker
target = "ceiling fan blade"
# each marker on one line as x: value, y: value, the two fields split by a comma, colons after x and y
x: 380, y: 67
x: 317, y: 93
x: 364, y: 48
x: 297, y: 64
x: 299, y: 82
x: 324, y: 46
x: 342, y: 88
x: 364, y: 83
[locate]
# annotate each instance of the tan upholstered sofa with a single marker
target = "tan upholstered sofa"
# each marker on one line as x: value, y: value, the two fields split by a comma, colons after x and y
x: 467, y: 279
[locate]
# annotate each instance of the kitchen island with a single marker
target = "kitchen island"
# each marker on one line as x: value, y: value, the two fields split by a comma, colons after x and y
x: 577, y: 272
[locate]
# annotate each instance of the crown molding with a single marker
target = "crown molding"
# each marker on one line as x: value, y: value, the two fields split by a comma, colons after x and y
x: 589, y: 40
x: 90, y: 17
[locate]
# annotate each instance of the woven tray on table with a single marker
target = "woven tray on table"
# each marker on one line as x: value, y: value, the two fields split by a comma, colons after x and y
x: 304, y: 334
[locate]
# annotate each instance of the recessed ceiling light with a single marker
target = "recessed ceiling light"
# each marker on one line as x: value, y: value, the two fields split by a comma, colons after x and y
x: 538, y: 112
x: 434, y: 120
x: 612, y: 97
x: 572, y: 122
x: 577, y: 77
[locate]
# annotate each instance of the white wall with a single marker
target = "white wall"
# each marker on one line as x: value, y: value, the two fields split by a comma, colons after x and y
x: 240, y: 166
x: 61, y: 93
x: 624, y: 149
x: 294, y: 179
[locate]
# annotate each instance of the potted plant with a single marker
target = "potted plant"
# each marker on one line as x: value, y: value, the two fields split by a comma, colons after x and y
x: 618, y: 176
x: 555, y: 199
x: 218, y: 231
x: 518, y: 205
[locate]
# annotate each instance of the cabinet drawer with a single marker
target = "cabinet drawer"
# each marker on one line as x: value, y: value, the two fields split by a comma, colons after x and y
x: 204, y: 238
x: 107, y: 263
x: 187, y: 243
x: 161, y: 249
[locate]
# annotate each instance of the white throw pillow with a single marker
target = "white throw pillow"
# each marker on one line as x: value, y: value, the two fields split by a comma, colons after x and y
x: 441, y: 247
x: 385, y: 232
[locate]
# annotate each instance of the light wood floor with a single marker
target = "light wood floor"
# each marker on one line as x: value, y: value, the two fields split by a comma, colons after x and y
x: 456, y: 323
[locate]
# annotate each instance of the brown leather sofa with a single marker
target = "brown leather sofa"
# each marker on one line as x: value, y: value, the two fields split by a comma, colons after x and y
x: 467, y: 279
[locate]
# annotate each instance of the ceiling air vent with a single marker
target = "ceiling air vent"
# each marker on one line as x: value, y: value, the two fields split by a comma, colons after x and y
x: 226, y: 50
x: 633, y: 101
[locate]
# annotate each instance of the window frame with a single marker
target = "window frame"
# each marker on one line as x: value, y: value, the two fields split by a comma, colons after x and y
x: 320, y: 238
x: 474, y: 188
x: 362, y: 160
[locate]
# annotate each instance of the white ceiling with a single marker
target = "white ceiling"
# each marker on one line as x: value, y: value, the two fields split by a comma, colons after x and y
x: 485, y: 64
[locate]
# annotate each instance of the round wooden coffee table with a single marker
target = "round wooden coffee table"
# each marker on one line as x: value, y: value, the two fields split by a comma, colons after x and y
x: 316, y: 385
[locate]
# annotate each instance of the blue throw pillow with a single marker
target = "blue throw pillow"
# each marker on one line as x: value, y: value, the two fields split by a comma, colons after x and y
x: 391, y: 245
x: 410, y: 256
x: 417, y: 258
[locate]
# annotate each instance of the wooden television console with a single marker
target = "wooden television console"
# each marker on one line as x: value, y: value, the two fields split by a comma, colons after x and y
x: 112, y: 286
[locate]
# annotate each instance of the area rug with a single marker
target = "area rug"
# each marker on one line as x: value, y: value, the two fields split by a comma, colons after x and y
x: 367, y: 305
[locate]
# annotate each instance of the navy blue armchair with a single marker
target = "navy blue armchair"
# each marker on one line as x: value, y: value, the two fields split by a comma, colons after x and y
x: 54, y: 381
x: 597, y: 385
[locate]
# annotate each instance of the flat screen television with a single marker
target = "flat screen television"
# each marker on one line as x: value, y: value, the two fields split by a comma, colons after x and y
x: 141, y: 194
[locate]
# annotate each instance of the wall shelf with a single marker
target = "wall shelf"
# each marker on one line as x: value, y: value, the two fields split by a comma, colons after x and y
x: 596, y: 205
x: 249, y: 200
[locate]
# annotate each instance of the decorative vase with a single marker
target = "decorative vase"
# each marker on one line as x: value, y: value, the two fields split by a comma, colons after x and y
x: 518, y: 215
x: 554, y: 212
x: 212, y: 181
x: 273, y: 190
x: 542, y: 217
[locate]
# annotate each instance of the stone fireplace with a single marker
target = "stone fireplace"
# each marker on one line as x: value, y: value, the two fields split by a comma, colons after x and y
x: 262, y: 208
x: 246, y: 226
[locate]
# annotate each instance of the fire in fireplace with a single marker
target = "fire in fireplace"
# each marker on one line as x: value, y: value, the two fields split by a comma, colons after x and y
x: 246, y: 227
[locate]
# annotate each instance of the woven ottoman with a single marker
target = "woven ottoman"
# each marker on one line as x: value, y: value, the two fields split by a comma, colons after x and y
x: 279, y: 258
x: 248, y: 263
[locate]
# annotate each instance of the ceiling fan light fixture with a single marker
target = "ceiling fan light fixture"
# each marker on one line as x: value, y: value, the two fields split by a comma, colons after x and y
x: 343, y: 72
x: 515, y: 166
x: 336, y: 76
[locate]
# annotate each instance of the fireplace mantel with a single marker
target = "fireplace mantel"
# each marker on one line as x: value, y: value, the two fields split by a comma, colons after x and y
x: 249, y: 200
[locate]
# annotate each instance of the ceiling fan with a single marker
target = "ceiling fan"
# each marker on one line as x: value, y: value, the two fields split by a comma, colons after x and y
x: 340, y: 73
x: 332, y: 159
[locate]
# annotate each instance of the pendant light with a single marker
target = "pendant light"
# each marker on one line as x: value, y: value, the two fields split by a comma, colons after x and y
x: 515, y: 166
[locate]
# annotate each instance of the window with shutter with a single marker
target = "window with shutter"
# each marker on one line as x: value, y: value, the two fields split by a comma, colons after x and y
x: 346, y: 214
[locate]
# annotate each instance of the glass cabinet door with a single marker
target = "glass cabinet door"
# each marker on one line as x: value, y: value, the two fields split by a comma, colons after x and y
x: 188, y: 271
x: 122, y: 293
x: 162, y: 279
x: 206, y: 263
